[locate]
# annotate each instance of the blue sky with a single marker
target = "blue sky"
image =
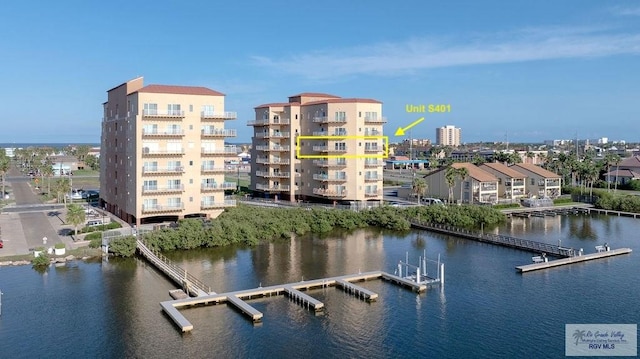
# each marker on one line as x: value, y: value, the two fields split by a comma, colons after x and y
x: 523, y: 69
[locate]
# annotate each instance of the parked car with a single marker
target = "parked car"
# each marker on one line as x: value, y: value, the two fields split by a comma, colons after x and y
x: 431, y: 201
x: 1, y: 244
x: 90, y: 194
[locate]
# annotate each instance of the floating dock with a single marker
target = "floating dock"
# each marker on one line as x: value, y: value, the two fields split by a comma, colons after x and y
x: 293, y: 290
x: 572, y: 260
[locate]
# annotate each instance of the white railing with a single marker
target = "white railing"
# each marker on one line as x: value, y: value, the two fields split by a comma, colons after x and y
x: 211, y: 169
x: 373, y: 133
x: 218, y: 186
x: 223, y: 151
x: 167, y: 132
x: 372, y: 177
x: 369, y: 119
x: 226, y: 203
x: 264, y: 122
x: 219, y: 132
x: 329, y: 193
x: 156, y: 189
x: 162, y: 208
x: 218, y: 115
x: 161, y: 113
x: 330, y: 163
x: 339, y: 176
x: 279, y: 161
x: 329, y: 120
x: 148, y: 151
x: 373, y: 193
x: 177, y: 169
x: 273, y: 174
x: 370, y: 162
x: 264, y: 187
x: 272, y: 148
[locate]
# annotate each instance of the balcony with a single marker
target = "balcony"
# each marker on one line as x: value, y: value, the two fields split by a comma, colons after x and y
x: 488, y: 187
x: 147, y: 152
x: 372, y: 177
x: 151, y: 170
x: 373, y: 193
x: 268, y: 174
x: 272, y: 135
x: 553, y: 183
x: 369, y: 119
x: 212, y: 115
x: 336, y: 177
x: 329, y: 120
x: 215, y: 205
x: 268, y: 122
x: 331, y: 163
x: 372, y: 163
x: 207, y: 187
x: 373, y: 133
x: 218, y: 132
x: 170, y: 132
x: 158, y: 208
x: 227, y: 151
x: 272, y: 188
x: 272, y: 161
x: 327, y: 133
x: 162, y: 189
x: 211, y: 169
x: 372, y: 148
x: 163, y: 114
x: 273, y: 148
x: 324, y: 148
x: 329, y: 193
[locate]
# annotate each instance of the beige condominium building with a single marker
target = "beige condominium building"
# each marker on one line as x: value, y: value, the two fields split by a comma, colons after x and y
x: 163, y: 152
x: 319, y: 147
x: 448, y: 136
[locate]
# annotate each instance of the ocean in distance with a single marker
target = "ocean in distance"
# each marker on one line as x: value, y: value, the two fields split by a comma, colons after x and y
x: 110, y: 309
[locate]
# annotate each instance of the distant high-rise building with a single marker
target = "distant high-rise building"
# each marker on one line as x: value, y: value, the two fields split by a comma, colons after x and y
x: 448, y: 136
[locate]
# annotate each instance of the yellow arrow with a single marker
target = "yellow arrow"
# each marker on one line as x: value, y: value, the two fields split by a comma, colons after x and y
x: 400, y: 131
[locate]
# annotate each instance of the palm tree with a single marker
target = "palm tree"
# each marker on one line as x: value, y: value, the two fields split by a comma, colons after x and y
x: 47, y: 171
x: 75, y: 216
x: 63, y: 186
x: 530, y: 155
x: 450, y: 177
x: 4, y: 168
x: 609, y: 159
x: 419, y: 187
x: 616, y: 161
x: 462, y: 172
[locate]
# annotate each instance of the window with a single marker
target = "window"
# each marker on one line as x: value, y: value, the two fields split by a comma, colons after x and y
x: 150, y: 185
x: 174, y: 184
x: 207, y: 110
x: 340, y: 146
x: 173, y: 109
x: 174, y: 202
x: 190, y: 108
x: 341, y: 116
x: 150, y: 109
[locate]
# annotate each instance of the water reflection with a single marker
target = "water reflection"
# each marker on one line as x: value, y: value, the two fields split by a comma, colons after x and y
x: 581, y: 227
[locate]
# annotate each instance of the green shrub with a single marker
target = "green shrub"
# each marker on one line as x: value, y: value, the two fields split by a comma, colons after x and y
x: 562, y: 200
x: 59, y: 245
x: 506, y: 205
x: 101, y: 227
x: 42, y: 260
x: 123, y: 247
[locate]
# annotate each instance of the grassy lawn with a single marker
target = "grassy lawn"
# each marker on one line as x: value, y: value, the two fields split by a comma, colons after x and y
x: 244, y: 180
x: 86, y: 173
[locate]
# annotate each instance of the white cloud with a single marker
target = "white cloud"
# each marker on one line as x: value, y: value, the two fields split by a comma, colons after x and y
x: 626, y: 11
x: 425, y: 53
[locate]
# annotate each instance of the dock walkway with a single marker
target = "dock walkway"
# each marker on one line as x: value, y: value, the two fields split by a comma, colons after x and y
x: 571, y: 260
x: 506, y: 241
x: 188, y: 282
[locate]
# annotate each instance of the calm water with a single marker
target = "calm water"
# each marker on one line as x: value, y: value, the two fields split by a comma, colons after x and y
x: 485, y: 309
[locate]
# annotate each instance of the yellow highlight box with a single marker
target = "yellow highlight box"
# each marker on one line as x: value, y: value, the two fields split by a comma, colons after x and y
x: 385, y: 152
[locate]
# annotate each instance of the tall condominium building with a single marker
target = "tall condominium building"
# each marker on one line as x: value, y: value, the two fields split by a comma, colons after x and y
x: 448, y: 136
x: 339, y: 153
x: 163, y: 152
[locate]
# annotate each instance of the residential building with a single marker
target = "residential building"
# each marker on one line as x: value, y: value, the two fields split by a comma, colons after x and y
x: 511, y: 183
x: 163, y: 150
x: 448, y: 136
x: 541, y: 183
x: 478, y: 186
x: 340, y: 147
x: 627, y: 170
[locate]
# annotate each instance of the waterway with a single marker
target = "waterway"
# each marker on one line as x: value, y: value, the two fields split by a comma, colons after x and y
x: 485, y: 309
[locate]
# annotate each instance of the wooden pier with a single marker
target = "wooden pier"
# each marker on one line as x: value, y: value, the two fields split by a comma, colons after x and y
x: 190, y: 284
x: 546, y: 211
x: 293, y: 290
x: 572, y: 260
x: 501, y: 240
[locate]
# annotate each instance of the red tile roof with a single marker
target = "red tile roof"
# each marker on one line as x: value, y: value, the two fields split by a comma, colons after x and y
x: 181, y: 90
x: 343, y: 100
x: 507, y: 171
x: 630, y: 162
x: 535, y: 169
x: 279, y: 104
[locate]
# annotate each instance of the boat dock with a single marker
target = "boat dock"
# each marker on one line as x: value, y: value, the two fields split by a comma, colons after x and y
x: 571, y: 260
x: 190, y: 284
x: 545, y: 211
x: 501, y: 240
x: 292, y: 290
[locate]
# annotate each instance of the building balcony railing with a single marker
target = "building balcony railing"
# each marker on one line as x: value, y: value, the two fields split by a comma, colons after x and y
x: 273, y: 148
x: 268, y: 174
x: 218, y: 132
x: 373, y: 133
x: 211, y: 169
x: 372, y: 177
x: 272, y: 135
x: 368, y: 119
x: 329, y: 149
x: 226, y: 151
x: 372, y: 163
x: 272, y: 161
x: 149, y: 152
x: 329, y: 119
x: 329, y: 193
x: 335, y: 163
x: 490, y: 187
x: 214, y: 205
x: 163, y: 133
x: 553, y: 183
x: 268, y: 122
x: 162, y: 189
x: 372, y: 149
x: 218, y: 186
x: 329, y: 133
x: 272, y: 188
x: 373, y: 193
x: 158, y: 208
x: 161, y: 113
x: 330, y: 178
x: 212, y: 115
x: 161, y: 170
